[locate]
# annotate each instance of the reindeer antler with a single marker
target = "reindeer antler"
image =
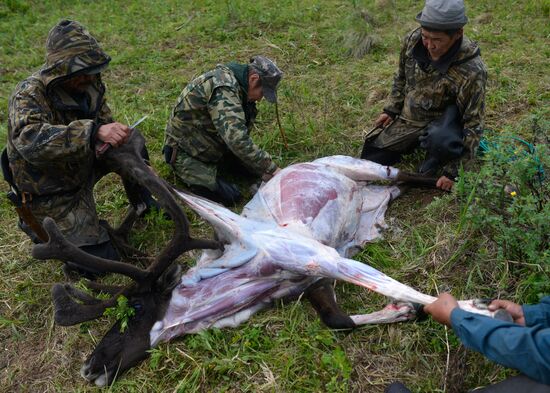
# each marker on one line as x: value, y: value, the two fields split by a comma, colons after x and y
x: 73, y: 306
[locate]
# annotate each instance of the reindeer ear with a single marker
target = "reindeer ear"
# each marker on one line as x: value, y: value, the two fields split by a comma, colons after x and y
x: 169, y: 279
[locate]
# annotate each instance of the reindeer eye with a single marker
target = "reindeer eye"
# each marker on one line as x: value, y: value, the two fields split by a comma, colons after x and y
x: 137, y: 306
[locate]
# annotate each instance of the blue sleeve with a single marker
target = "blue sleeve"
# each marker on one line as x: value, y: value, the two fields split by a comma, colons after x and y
x: 526, y: 349
x: 538, y: 314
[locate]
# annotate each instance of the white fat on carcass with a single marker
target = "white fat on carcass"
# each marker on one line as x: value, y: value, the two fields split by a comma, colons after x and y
x: 301, y: 226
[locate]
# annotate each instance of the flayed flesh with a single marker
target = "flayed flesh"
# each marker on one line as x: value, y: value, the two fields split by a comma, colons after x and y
x: 302, y: 225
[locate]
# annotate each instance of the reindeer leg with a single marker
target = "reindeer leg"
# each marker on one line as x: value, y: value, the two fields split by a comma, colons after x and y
x: 325, y: 262
x: 396, y: 311
x: 323, y: 299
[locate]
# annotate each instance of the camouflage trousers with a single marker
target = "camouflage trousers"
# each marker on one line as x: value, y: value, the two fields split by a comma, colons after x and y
x: 75, y: 212
x: 399, y: 136
x: 195, y: 172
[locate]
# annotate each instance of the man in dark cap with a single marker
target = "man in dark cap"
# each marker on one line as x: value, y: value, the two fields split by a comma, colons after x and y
x: 57, y: 118
x: 210, y: 127
x: 437, y: 100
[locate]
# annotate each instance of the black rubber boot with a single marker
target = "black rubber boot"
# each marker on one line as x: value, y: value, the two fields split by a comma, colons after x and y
x: 225, y: 193
x: 380, y: 156
x: 442, y: 138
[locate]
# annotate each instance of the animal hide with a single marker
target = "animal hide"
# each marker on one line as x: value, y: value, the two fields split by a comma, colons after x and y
x: 304, y: 224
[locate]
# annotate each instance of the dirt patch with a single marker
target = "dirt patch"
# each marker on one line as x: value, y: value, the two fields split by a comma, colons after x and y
x: 28, y: 366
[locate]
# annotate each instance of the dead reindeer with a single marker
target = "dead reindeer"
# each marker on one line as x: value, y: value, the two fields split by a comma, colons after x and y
x: 294, y: 237
x: 149, y: 293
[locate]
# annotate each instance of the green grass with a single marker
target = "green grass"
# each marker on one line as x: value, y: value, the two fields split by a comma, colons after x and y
x: 332, y: 90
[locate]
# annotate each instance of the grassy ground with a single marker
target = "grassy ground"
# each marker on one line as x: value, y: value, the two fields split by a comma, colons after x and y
x: 329, y: 95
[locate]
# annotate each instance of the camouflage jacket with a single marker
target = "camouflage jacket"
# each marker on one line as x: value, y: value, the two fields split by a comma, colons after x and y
x: 209, y: 118
x: 421, y: 94
x: 51, y: 136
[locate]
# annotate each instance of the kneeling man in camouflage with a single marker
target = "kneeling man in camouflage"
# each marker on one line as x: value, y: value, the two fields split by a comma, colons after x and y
x: 210, y: 128
x: 437, y: 100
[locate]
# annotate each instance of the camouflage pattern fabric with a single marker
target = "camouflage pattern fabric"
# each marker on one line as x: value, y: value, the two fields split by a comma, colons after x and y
x: 51, y: 135
x: 74, y: 214
x: 208, y: 121
x: 421, y: 96
x: 195, y: 172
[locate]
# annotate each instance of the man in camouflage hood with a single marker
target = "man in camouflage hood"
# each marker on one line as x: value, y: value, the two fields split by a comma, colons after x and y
x: 210, y: 126
x: 437, y: 100
x: 57, y: 116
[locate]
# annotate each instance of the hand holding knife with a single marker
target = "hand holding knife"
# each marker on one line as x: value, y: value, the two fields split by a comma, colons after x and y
x: 103, y: 147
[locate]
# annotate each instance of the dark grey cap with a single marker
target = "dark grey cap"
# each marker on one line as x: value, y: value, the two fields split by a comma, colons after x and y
x: 443, y: 15
x: 270, y: 76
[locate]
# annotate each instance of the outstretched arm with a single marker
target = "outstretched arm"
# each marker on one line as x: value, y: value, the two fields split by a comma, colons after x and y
x: 510, y: 344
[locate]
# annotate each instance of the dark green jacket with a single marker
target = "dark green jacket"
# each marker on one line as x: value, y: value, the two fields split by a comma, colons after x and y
x: 209, y: 119
x: 421, y: 95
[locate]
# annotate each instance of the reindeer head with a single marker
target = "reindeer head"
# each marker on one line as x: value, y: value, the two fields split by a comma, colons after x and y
x: 151, y: 289
x: 121, y: 350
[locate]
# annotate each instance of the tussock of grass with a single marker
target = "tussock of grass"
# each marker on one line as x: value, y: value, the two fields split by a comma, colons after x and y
x: 327, y: 98
x: 360, y: 44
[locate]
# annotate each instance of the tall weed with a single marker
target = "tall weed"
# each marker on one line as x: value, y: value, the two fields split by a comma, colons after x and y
x: 511, y: 204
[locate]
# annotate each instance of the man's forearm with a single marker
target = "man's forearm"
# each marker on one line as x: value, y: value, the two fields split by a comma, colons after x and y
x: 40, y: 143
x: 512, y: 345
x: 538, y: 314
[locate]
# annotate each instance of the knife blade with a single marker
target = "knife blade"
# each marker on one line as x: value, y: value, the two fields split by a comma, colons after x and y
x: 103, y: 148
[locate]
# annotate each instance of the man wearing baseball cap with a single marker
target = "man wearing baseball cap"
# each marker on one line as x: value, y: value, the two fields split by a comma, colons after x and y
x: 210, y: 128
x: 437, y: 100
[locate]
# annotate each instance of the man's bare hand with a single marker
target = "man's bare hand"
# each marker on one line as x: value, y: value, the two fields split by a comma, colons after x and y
x: 267, y: 176
x: 441, y: 309
x: 444, y: 183
x: 515, y: 310
x: 383, y: 120
x: 115, y: 134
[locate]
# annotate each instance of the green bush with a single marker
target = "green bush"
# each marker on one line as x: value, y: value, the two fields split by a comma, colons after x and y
x: 508, y: 203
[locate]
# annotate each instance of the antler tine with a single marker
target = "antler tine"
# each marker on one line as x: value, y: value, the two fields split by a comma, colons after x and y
x: 181, y: 239
x: 128, y: 162
x: 58, y: 247
x: 127, y: 224
x: 68, y: 312
x: 82, y: 296
x: 110, y: 289
x: 119, y: 238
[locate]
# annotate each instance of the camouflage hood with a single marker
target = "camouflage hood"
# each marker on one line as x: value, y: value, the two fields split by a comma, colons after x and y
x: 71, y: 50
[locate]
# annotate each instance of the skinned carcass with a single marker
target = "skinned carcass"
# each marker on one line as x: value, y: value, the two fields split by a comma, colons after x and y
x: 299, y: 228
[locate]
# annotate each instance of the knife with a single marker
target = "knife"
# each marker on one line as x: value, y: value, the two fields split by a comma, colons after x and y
x: 103, y: 148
